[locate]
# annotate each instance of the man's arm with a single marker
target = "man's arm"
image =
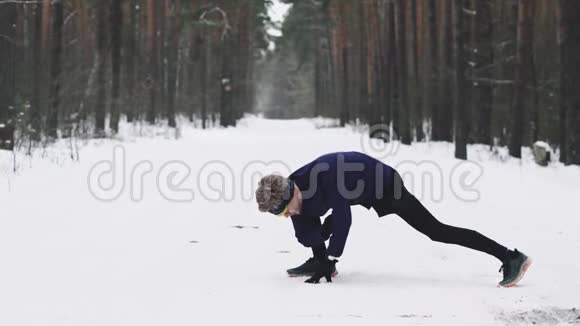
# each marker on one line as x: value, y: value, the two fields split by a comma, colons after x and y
x: 337, y: 224
x: 341, y: 222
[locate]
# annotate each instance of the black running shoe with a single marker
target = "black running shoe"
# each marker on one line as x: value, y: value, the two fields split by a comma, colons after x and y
x: 514, y: 268
x: 307, y: 269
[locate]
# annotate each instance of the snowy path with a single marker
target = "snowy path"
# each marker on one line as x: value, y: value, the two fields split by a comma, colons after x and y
x: 67, y: 258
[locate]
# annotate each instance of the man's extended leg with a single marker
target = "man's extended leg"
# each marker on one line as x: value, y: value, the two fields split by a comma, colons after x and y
x: 416, y: 215
x: 514, y: 263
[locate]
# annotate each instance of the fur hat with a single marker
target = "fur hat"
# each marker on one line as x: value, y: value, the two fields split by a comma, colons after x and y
x: 273, y: 192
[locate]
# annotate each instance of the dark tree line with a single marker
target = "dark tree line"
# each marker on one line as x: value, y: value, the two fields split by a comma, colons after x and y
x: 76, y: 67
x: 463, y: 71
x: 495, y: 72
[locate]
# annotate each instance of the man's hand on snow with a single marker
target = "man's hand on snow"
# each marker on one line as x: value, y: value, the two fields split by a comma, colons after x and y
x: 326, y: 268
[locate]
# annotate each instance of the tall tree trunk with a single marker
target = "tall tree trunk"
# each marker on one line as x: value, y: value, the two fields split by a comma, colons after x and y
x: 204, y: 45
x: 56, y: 67
x: 335, y: 49
x: 318, y: 83
x: 116, y: 39
x: 505, y: 36
x: 373, y: 61
x: 460, y: 116
x: 394, y: 71
x: 161, y: 33
x: 37, y: 107
x: 172, y: 56
x: 418, y: 50
x: 195, y: 44
x: 249, y: 59
x: 387, y: 63
x: 403, y: 80
x: 131, y: 60
x: 524, y: 62
x: 100, y: 109
x: 242, y: 79
x: 361, y: 52
x: 226, y: 118
x: 411, y: 71
x: 344, y: 57
x: 85, y: 56
x: 432, y: 70
x: 483, y: 91
x: 8, y: 18
x: 564, y: 84
x: 445, y: 116
x: 570, y: 79
x: 338, y: 41
x: 344, y: 118
x: 83, y: 28
x: 152, y: 57
x: 46, y: 4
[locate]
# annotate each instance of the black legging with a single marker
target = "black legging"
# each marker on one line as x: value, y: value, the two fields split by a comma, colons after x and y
x: 417, y: 216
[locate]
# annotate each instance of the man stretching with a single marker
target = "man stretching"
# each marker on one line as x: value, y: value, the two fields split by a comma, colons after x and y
x: 337, y: 181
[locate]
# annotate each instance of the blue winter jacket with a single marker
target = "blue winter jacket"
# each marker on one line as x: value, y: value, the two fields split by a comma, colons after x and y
x: 337, y: 181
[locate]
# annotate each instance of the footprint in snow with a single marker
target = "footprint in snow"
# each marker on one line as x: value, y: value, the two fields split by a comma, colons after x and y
x: 244, y: 227
x: 415, y: 316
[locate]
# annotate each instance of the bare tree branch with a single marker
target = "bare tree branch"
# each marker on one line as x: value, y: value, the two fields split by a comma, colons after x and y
x: 9, y: 39
x: 493, y: 81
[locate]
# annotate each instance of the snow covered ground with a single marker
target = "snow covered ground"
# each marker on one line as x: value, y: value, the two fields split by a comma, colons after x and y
x: 69, y: 255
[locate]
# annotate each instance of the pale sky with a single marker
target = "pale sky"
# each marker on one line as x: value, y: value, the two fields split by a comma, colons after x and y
x: 277, y: 13
x: 278, y: 10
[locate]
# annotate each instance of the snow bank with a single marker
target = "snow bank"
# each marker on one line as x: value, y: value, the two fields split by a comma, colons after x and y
x: 69, y: 258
